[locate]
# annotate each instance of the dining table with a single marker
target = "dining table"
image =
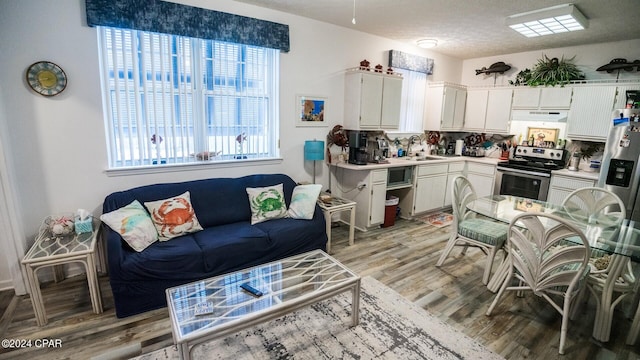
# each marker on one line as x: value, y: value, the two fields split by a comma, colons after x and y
x: 607, y: 234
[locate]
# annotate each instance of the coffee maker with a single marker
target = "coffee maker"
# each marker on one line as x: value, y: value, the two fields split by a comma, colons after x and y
x: 358, y: 154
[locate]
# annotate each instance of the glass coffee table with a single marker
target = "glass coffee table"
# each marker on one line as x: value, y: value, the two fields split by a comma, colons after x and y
x: 217, y: 307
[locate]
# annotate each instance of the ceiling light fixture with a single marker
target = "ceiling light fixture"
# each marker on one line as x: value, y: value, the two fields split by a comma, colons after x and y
x: 547, y: 21
x: 353, y: 20
x: 427, y: 43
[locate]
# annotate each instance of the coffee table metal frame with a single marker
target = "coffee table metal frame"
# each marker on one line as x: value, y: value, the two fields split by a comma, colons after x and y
x: 299, y: 281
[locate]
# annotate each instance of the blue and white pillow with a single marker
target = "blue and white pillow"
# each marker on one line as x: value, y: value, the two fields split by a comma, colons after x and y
x: 303, y: 201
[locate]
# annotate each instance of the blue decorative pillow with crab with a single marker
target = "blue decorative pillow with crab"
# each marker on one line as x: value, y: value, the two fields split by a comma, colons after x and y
x: 267, y: 203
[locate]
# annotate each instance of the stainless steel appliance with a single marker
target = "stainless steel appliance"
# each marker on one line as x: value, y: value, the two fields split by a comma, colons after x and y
x: 528, y: 173
x: 358, y: 154
x: 619, y: 172
x: 398, y: 177
x: 382, y: 150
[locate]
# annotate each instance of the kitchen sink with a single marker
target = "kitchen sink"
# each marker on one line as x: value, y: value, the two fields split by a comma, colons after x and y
x: 426, y: 158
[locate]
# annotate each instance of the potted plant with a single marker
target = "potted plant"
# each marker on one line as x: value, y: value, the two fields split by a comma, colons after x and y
x: 552, y: 72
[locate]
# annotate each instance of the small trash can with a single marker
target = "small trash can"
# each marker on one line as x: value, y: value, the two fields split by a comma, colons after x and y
x: 390, y: 210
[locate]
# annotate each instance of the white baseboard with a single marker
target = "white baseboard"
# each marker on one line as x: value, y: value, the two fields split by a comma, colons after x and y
x: 6, y: 285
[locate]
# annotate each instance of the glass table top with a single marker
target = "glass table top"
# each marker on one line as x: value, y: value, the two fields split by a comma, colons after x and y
x: 222, y: 302
x: 603, y: 232
x: 50, y: 246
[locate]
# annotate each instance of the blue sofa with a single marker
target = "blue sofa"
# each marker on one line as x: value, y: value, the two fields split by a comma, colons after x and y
x: 228, y: 242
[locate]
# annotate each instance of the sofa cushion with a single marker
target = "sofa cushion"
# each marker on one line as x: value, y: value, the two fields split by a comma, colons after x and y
x: 288, y: 236
x: 227, y: 246
x: 303, y: 201
x: 173, y: 216
x: 133, y: 223
x: 266, y: 203
x: 176, y: 259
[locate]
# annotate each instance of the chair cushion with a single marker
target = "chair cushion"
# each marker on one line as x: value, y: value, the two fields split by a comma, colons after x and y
x: 488, y: 232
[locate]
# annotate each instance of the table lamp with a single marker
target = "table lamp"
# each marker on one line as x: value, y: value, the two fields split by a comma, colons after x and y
x: 314, y: 150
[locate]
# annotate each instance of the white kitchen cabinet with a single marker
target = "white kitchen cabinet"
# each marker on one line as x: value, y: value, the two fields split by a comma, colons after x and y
x: 455, y: 169
x: 430, y: 187
x: 488, y: 110
x: 542, y: 98
x: 372, y: 100
x: 370, y: 199
x: 445, y: 107
x: 562, y: 185
x: 482, y: 177
x: 589, y: 118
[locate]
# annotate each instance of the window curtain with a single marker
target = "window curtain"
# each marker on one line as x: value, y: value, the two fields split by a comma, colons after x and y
x: 176, y: 19
x: 414, y: 86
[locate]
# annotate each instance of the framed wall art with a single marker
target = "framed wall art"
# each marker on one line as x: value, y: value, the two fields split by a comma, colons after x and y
x: 542, y: 136
x: 310, y: 110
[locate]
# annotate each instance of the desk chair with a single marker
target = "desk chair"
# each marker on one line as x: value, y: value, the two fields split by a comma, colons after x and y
x: 542, y: 262
x: 467, y: 230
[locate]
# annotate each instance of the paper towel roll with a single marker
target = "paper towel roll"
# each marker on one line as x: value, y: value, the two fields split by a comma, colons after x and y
x: 459, y: 146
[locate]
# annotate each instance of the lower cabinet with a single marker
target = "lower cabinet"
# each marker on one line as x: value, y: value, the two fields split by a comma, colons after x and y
x: 562, y: 185
x: 431, y: 181
x: 455, y: 169
x: 370, y: 199
x: 482, y: 177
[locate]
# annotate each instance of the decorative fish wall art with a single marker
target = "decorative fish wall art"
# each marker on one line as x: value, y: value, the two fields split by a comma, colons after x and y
x: 619, y: 64
x: 499, y: 67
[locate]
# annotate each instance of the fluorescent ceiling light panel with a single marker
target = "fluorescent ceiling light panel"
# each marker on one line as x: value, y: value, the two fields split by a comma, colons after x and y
x: 547, y: 21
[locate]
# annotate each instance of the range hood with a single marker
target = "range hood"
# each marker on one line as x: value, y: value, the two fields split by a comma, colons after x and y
x: 538, y: 115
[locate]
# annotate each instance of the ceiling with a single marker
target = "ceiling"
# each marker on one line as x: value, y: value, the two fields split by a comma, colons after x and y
x: 467, y: 29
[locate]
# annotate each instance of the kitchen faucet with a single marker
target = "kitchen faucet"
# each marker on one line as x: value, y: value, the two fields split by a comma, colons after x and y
x: 411, y: 138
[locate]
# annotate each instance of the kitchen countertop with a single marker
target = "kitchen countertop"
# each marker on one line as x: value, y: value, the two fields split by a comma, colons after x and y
x: 577, y: 174
x: 405, y: 161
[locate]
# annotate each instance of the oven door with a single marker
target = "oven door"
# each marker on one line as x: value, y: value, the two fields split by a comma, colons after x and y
x: 523, y: 183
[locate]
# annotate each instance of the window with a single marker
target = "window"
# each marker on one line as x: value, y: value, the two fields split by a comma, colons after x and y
x: 414, y: 87
x: 177, y: 100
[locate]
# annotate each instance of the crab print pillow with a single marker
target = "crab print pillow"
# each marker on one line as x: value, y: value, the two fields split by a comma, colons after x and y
x: 267, y: 203
x: 134, y: 225
x: 173, y: 217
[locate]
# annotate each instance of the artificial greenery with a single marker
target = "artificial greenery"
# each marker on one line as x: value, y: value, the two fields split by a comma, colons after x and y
x: 522, y: 78
x: 552, y: 72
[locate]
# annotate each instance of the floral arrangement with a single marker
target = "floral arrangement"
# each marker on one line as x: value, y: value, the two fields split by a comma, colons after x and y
x: 61, y: 225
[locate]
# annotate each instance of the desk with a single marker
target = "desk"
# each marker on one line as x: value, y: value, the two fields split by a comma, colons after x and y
x: 622, y: 241
x: 337, y: 205
x: 50, y: 250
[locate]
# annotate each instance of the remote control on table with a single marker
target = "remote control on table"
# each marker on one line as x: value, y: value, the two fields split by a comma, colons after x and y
x: 251, y: 289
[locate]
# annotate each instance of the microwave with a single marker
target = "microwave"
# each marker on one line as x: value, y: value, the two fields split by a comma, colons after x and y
x: 399, y: 176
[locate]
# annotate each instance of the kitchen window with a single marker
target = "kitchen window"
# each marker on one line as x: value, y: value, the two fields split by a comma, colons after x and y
x: 414, y: 85
x: 172, y: 100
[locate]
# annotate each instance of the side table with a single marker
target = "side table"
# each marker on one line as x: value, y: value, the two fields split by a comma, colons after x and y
x: 336, y: 205
x: 51, y: 250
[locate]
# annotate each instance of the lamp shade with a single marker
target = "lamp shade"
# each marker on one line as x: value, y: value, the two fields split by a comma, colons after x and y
x: 314, y: 150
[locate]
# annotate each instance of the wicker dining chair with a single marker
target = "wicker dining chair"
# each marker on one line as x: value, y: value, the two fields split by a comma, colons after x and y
x: 470, y: 231
x: 598, y: 205
x: 541, y: 261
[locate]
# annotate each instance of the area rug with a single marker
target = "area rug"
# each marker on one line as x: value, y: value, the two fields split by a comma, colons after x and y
x: 439, y: 219
x: 391, y: 327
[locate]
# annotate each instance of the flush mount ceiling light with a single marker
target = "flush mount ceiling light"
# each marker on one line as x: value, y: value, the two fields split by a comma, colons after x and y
x: 427, y: 43
x: 547, y: 21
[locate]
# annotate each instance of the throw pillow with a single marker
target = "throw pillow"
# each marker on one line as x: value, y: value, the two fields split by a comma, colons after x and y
x: 303, y: 201
x: 173, y: 217
x: 134, y: 224
x: 267, y: 203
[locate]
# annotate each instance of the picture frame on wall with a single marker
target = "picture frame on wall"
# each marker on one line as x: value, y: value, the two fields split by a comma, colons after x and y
x: 542, y: 136
x: 310, y: 110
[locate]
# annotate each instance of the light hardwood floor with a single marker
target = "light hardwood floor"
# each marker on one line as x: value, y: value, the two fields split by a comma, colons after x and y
x: 402, y: 257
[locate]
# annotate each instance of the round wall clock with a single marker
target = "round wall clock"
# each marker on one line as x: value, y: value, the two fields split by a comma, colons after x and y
x: 46, y: 78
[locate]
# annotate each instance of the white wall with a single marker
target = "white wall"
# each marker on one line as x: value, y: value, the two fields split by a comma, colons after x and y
x: 587, y: 57
x: 58, y: 144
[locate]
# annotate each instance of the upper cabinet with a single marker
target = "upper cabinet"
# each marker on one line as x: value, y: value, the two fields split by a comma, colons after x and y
x: 542, y: 98
x: 445, y: 107
x: 372, y: 100
x: 488, y: 110
x: 590, y: 115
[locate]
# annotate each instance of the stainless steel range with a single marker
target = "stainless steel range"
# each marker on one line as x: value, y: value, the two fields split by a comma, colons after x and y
x: 528, y: 173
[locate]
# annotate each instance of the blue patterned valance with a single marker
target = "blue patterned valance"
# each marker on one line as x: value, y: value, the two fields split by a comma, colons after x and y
x: 403, y: 60
x: 176, y: 19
